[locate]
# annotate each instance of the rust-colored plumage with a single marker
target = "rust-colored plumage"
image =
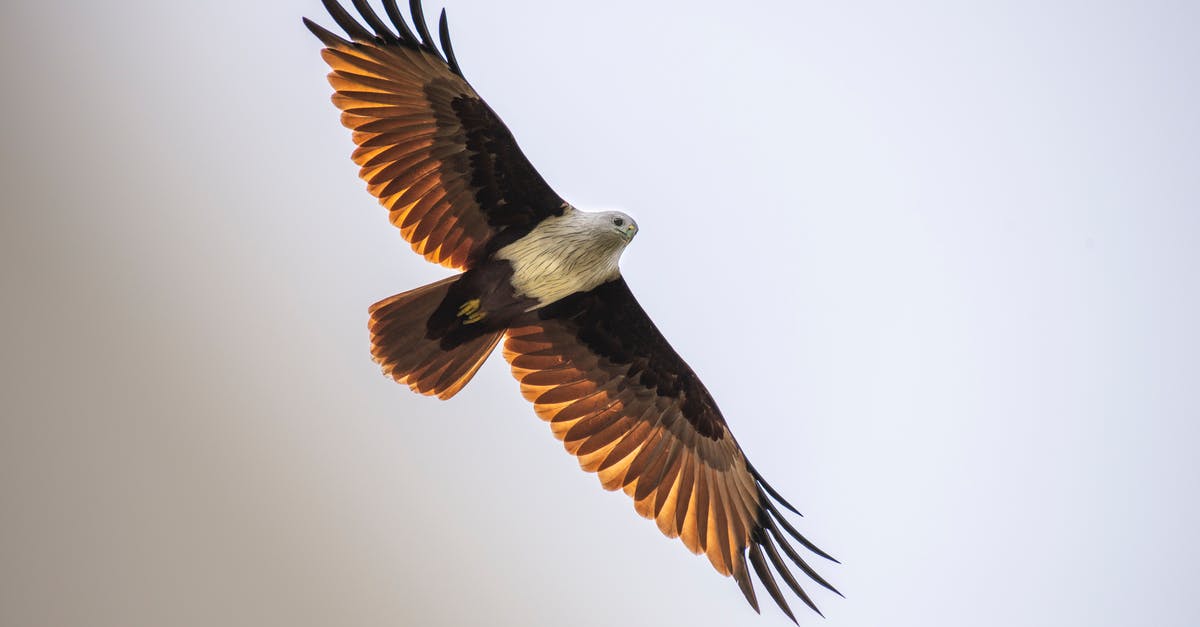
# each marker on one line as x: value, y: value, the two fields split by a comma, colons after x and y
x: 429, y: 148
x: 592, y: 363
x: 398, y: 343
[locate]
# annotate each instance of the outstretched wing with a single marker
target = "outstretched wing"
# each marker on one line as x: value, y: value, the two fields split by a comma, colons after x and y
x: 430, y: 149
x: 622, y: 401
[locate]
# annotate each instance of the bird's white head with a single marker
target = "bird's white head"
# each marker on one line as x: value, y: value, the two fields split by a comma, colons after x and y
x: 613, y: 223
x: 605, y: 235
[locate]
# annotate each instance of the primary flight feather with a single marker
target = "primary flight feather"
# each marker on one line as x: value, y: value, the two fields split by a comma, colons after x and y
x: 543, y: 277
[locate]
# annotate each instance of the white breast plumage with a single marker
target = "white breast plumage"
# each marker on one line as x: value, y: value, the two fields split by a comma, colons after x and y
x: 574, y: 252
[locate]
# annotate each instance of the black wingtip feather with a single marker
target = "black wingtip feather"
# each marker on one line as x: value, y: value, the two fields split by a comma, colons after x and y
x: 766, y: 486
x: 444, y: 33
x: 795, y: 557
x: 382, y: 33
x: 796, y: 534
x: 747, y: 587
x: 781, y: 566
x: 768, y: 580
x: 397, y: 18
x: 770, y: 520
x: 326, y: 37
x: 418, y: 16
x: 347, y: 21
x: 376, y: 24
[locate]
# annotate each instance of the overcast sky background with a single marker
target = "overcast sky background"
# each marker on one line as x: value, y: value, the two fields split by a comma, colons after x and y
x: 937, y: 263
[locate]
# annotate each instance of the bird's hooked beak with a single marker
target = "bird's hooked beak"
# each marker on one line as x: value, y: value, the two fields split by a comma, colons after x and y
x: 629, y: 231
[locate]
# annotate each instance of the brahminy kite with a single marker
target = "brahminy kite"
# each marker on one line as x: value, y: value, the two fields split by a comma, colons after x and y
x: 543, y: 277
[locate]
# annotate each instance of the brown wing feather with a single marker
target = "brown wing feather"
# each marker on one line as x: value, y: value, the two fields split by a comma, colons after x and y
x: 430, y: 149
x: 631, y: 410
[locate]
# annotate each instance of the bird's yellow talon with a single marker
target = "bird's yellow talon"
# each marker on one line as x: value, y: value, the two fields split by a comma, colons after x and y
x: 470, y: 312
x: 469, y: 308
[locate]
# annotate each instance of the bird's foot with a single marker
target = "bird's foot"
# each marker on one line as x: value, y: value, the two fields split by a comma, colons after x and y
x: 470, y: 313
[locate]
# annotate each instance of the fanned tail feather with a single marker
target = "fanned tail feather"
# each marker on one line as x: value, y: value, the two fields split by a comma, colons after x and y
x: 400, y: 343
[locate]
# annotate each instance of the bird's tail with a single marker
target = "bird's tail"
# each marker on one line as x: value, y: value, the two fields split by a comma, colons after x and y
x: 401, y: 343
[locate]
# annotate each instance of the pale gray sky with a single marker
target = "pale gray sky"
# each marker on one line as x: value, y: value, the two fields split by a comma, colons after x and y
x: 937, y: 263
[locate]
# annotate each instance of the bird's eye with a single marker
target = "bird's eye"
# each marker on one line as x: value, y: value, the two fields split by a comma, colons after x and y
x: 618, y: 222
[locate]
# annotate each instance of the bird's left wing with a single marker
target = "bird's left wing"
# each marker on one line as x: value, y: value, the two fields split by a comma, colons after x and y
x: 624, y: 402
x: 430, y: 149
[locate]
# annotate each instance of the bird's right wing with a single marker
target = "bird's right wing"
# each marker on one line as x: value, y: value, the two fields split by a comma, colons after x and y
x: 430, y: 149
x: 633, y: 412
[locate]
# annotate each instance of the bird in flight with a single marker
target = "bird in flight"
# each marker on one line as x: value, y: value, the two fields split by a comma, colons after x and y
x: 543, y: 277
